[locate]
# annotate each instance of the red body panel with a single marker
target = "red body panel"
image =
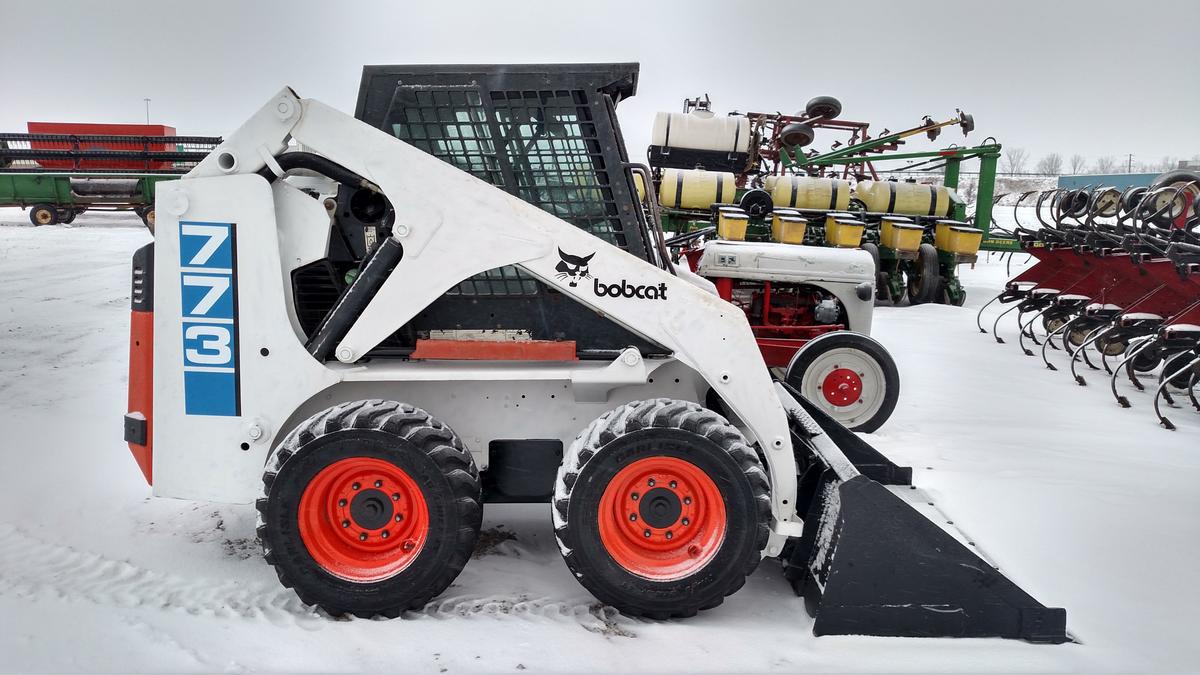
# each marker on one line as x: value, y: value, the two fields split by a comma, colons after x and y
x: 141, y: 385
x: 82, y: 129
x: 778, y: 342
x: 488, y: 350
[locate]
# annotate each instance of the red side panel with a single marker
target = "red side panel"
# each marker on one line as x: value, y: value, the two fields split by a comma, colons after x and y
x: 141, y: 385
x: 83, y: 129
x: 485, y: 350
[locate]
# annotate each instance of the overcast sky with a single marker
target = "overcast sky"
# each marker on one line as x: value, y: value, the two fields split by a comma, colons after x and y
x: 1096, y: 77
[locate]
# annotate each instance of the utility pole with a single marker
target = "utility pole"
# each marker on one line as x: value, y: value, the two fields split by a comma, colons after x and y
x: 147, y: 110
x: 1129, y: 166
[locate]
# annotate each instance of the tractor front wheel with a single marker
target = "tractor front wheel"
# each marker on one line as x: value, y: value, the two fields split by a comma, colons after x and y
x: 661, y: 508
x: 850, y: 376
x: 370, y: 508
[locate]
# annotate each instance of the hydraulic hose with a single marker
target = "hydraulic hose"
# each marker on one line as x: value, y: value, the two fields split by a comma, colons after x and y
x: 324, y: 166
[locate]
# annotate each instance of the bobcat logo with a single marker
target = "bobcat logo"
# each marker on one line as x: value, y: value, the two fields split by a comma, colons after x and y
x: 573, y: 267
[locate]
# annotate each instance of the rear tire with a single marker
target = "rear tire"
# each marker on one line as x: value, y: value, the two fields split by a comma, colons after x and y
x: 848, y: 375
x: 1183, y: 381
x: 679, y: 472
x: 43, y: 214
x: 881, y: 292
x: 1147, y: 360
x: 146, y: 213
x: 369, y: 508
x: 925, y: 281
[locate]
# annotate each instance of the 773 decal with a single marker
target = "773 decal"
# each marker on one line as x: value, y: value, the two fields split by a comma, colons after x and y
x: 208, y: 292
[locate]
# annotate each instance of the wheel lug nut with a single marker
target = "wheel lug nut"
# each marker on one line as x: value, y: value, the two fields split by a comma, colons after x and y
x: 395, y: 496
x: 634, y: 496
x: 362, y: 537
x: 650, y: 482
x: 355, y: 486
x: 345, y: 523
x: 341, y: 502
x: 378, y: 483
x: 408, y: 545
x: 385, y: 534
x: 647, y: 534
x: 674, y: 484
x: 670, y: 534
x: 399, y: 517
x: 687, y: 500
x: 686, y: 522
x: 633, y: 517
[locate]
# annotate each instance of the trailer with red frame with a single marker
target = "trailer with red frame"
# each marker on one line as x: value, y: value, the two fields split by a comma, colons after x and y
x: 59, y: 170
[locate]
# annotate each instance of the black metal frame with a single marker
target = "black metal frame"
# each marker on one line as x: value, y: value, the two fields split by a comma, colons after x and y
x: 547, y: 134
x: 17, y: 154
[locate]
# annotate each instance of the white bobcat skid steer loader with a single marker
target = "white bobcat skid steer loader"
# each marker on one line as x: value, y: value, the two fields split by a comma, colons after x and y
x: 369, y: 471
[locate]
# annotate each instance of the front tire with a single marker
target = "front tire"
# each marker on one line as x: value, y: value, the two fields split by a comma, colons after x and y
x: 661, y: 508
x: 369, y: 508
x: 848, y: 375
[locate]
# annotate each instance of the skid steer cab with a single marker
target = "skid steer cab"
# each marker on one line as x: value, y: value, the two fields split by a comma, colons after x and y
x: 368, y: 426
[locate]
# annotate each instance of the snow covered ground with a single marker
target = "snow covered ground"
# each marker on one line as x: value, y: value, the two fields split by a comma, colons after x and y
x: 1085, y: 505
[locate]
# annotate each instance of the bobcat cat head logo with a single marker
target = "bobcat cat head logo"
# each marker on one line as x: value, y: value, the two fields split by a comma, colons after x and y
x: 573, y: 267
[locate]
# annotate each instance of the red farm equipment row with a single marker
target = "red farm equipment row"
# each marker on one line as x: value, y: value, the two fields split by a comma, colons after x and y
x: 1117, y: 274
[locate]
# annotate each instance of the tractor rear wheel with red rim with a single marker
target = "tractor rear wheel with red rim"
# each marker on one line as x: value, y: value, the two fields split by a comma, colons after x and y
x: 661, y: 508
x: 848, y: 375
x: 370, y: 508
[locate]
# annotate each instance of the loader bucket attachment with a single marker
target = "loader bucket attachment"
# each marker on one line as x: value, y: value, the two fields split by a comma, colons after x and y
x: 869, y: 564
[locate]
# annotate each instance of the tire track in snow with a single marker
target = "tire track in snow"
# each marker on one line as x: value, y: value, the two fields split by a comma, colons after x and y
x: 33, y: 567
x: 30, y: 566
x: 594, y: 616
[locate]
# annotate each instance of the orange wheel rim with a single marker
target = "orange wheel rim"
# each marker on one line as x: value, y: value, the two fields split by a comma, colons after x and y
x: 363, y: 519
x: 662, y: 518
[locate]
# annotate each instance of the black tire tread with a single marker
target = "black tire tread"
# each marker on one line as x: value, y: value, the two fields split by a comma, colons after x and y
x: 927, y: 286
x: 666, y: 413
x: 432, y: 437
